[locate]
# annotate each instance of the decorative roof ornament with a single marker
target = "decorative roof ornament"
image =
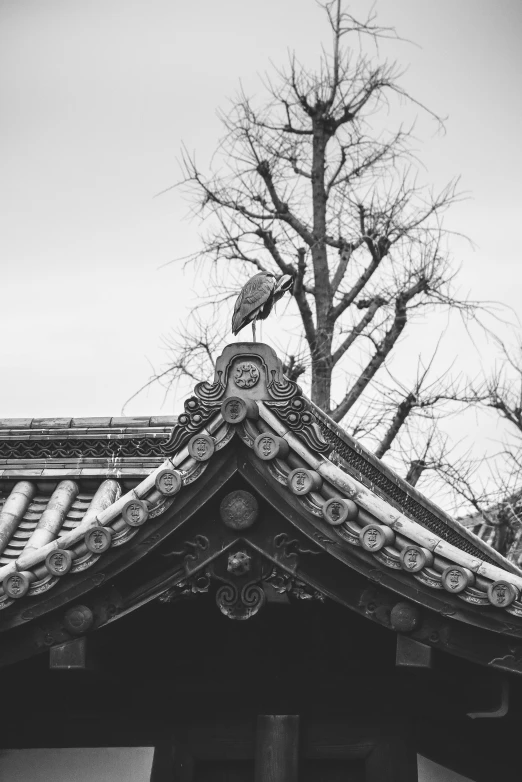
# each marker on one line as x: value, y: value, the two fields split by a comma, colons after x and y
x: 257, y: 298
x: 62, y: 517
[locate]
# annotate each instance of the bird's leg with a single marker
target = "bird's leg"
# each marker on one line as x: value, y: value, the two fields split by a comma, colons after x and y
x: 261, y: 330
x: 254, y: 330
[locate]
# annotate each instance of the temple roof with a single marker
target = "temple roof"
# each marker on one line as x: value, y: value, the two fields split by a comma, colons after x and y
x: 75, y: 490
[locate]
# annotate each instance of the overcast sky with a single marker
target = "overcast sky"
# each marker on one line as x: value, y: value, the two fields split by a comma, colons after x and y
x: 97, y: 97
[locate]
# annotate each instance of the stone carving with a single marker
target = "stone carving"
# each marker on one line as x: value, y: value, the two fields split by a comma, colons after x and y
x: 77, y: 448
x: 197, y: 414
x: 191, y: 549
x: 456, y: 578
x: 98, y: 539
x: 374, y: 537
x: 414, y: 558
x: 282, y: 582
x: 59, y: 562
x: 239, y: 563
x: 243, y: 575
x: 135, y: 513
x: 502, y: 593
x: 239, y: 510
x: 246, y: 375
x: 201, y: 447
x: 16, y: 584
x: 291, y: 547
x: 297, y: 414
x: 302, y: 481
x: 240, y: 603
x: 269, y: 446
x: 189, y: 587
x: 338, y: 510
x: 168, y: 482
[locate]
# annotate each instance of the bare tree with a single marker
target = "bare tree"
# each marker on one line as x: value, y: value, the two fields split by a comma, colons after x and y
x: 315, y: 183
x: 494, y: 494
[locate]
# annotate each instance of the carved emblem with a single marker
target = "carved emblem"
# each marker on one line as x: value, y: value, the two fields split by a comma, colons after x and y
x: 303, y: 481
x: 283, y: 582
x: 336, y: 511
x: 246, y: 375
x: 374, y: 537
x: 168, y: 482
x: 501, y: 593
x: 135, y: 513
x: 414, y: 558
x: 201, y: 447
x: 98, y: 539
x: 59, y: 562
x: 239, y: 563
x: 456, y: 578
x: 240, y: 604
x: 16, y: 585
x: 269, y: 446
x: 239, y: 510
x: 191, y: 549
x: 189, y: 587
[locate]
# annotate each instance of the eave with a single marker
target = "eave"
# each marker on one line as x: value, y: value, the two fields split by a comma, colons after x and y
x: 469, y: 621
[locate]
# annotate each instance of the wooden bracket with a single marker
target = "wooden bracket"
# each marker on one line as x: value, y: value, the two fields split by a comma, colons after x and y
x: 412, y: 653
x: 71, y: 655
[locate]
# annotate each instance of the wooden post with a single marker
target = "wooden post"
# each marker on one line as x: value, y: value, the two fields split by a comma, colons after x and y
x: 277, y: 748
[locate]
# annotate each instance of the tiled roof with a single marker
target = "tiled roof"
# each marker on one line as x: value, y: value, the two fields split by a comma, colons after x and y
x: 74, y: 488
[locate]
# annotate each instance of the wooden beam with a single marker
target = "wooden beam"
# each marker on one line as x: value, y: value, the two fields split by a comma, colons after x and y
x: 277, y: 748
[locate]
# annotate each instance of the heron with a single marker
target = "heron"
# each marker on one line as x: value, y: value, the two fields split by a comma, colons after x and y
x: 257, y: 298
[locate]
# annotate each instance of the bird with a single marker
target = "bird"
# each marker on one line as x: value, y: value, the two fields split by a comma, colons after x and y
x: 257, y: 297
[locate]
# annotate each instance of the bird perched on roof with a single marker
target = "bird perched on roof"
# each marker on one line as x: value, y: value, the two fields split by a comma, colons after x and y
x: 257, y: 297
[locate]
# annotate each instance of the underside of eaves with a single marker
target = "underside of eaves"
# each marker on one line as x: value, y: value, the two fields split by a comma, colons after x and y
x: 251, y: 492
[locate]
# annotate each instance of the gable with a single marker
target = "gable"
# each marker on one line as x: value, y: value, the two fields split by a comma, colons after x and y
x: 146, y: 521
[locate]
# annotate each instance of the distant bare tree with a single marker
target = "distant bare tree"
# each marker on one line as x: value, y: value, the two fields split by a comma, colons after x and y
x: 495, y: 498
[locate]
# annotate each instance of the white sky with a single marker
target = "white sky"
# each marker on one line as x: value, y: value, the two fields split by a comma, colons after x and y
x: 97, y: 97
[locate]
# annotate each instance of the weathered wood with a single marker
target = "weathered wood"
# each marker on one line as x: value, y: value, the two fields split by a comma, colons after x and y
x: 412, y: 653
x: 69, y: 656
x: 393, y: 759
x: 277, y: 748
